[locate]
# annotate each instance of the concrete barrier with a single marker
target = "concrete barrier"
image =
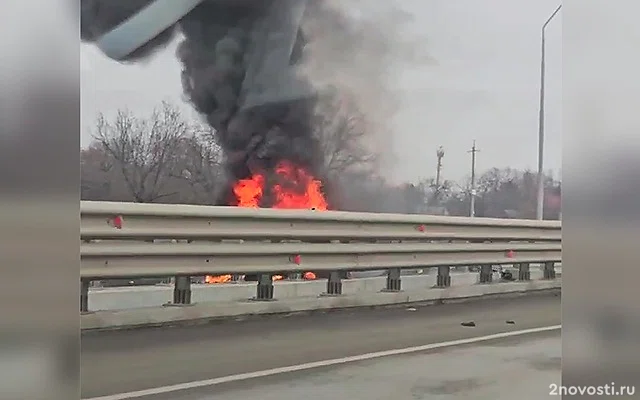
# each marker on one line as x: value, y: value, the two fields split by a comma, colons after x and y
x: 413, y: 293
x: 139, y: 297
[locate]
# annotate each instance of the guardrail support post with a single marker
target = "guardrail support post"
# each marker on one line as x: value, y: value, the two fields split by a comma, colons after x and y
x: 264, y: 290
x: 394, y: 282
x: 182, y: 290
x: 486, y: 273
x: 334, y: 284
x: 84, y: 295
x: 296, y: 276
x: 549, y: 271
x: 524, y: 272
x: 444, y: 276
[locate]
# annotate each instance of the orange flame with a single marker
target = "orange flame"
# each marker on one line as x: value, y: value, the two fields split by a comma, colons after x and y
x: 295, y: 188
x: 298, y: 189
x: 249, y: 191
x: 217, y: 278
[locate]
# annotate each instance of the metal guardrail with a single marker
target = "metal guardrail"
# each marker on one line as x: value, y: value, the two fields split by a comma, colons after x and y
x: 121, y: 240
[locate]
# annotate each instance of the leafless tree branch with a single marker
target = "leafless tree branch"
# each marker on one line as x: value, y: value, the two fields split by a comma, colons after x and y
x: 342, y: 130
x: 144, y: 150
x: 200, y: 163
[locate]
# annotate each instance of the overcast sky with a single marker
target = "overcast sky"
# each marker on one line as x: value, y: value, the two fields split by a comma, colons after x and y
x: 483, y: 84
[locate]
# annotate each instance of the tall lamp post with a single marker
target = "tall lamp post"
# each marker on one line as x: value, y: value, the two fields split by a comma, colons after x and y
x: 540, y: 180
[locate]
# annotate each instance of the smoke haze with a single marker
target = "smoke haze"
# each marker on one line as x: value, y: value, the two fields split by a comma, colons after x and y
x: 356, y: 46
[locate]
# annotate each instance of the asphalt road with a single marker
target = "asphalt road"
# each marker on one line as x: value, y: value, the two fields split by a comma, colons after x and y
x: 520, y: 368
x: 125, y: 361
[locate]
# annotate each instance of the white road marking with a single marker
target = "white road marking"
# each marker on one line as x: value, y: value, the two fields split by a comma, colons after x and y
x: 318, y: 364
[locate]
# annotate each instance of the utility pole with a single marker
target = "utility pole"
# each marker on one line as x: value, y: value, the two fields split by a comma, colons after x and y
x: 472, y: 202
x: 440, y: 154
x: 435, y: 196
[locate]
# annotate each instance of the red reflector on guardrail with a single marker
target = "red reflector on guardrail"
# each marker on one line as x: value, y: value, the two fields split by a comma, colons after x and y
x: 422, y: 228
x: 510, y: 254
x: 116, y: 221
x: 296, y: 259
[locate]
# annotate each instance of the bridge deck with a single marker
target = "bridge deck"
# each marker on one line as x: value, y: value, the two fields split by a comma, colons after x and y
x: 121, y: 361
x: 516, y: 368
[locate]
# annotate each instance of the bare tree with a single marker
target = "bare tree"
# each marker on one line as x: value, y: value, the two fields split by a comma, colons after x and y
x: 437, y: 194
x: 199, y: 164
x: 506, y: 193
x: 342, y: 130
x: 96, y: 168
x: 144, y: 150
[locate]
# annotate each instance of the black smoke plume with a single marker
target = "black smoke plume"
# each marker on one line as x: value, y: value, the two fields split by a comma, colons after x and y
x: 218, y: 38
